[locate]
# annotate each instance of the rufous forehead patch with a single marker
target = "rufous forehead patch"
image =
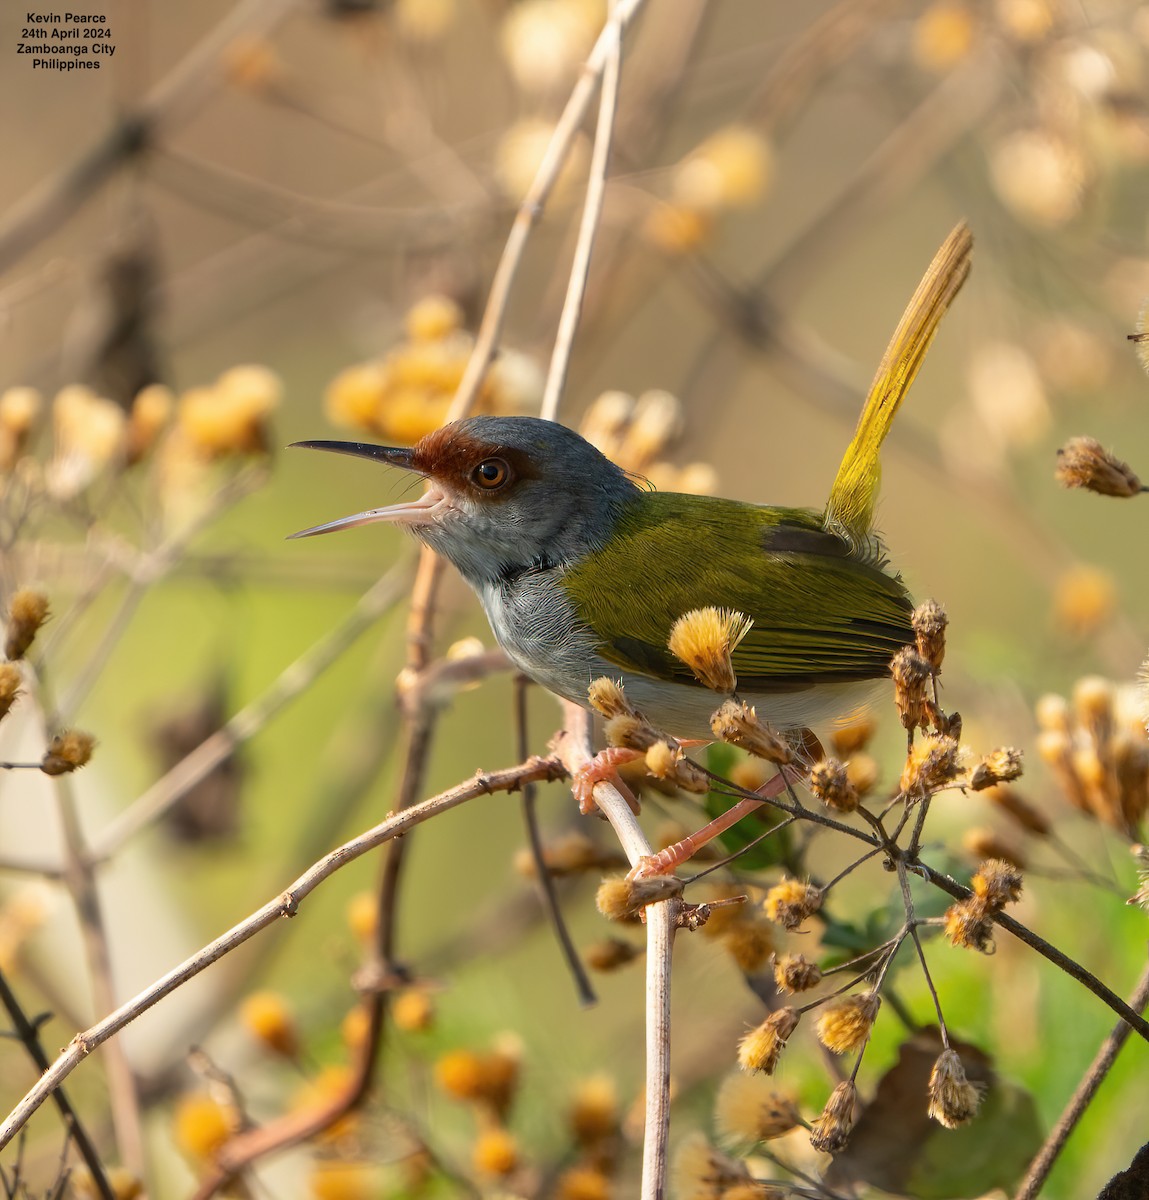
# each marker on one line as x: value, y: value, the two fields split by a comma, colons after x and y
x: 451, y: 455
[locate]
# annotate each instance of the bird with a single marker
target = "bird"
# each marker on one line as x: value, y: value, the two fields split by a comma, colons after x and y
x: 582, y: 571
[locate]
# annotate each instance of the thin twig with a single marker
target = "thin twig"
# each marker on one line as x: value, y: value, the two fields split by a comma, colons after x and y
x: 588, y: 227
x: 531, y: 210
x: 29, y: 1037
x: 572, y: 745
x: 1073, y: 969
x: 286, y: 904
x: 545, y: 879
x: 1092, y: 1080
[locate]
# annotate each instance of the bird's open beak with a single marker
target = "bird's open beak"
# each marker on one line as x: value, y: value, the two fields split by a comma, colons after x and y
x: 413, y: 512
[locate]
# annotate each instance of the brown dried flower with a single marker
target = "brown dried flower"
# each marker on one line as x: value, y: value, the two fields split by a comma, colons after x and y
x: 968, y: 927
x: 1084, y: 463
x: 796, y: 973
x: 831, y: 1131
x: 929, y: 623
x: 737, y: 723
x: 27, y: 611
x: 846, y: 1024
x: 790, y: 902
x: 999, y: 766
x: 762, y: 1046
x: 953, y: 1099
x: 912, y: 673
x: 996, y: 884
x: 830, y: 782
x: 67, y: 752
x: 704, y: 639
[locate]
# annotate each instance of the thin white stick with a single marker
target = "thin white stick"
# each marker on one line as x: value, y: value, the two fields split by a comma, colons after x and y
x: 573, y: 748
x: 531, y: 209
x: 588, y: 227
x: 286, y: 904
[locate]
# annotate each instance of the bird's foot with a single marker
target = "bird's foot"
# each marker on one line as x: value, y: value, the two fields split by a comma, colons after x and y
x: 603, y: 768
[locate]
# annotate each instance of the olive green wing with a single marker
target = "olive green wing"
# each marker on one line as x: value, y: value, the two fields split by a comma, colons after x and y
x: 823, y: 612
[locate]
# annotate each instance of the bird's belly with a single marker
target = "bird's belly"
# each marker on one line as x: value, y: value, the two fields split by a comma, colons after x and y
x: 537, y: 626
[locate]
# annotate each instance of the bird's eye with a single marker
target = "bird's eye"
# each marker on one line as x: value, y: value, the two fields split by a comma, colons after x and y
x: 491, y: 474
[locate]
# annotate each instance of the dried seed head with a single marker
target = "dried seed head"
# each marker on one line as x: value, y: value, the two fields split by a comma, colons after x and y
x: 624, y: 899
x: 150, y: 414
x: 790, y: 902
x: 27, y: 611
x: 495, y: 1152
x: 10, y: 681
x: 594, y: 1112
x: 1052, y: 712
x: 704, y: 639
x: 569, y: 853
x: 967, y: 926
x: 862, y: 771
x: 737, y: 723
x: 830, y: 782
x: 268, y: 1018
x: 1084, y: 463
x: 67, y: 752
x: 999, y: 766
x: 413, y: 1010
x: 981, y: 843
x: 953, y: 1099
x: 750, y: 944
x: 1018, y: 809
x: 608, y: 699
x: 846, y: 1024
x: 796, y: 973
x: 831, y: 1131
x: 929, y: 623
x: 760, y: 1049
x: 911, y: 674
x: 1093, y: 707
x: 931, y: 764
x: 996, y: 883
x: 853, y: 734
x: 665, y: 760
x: 748, y: 1109
x: 704, y: 1174
x: 611, y: 954
x: 631, y: 731
x: 203, y: 1125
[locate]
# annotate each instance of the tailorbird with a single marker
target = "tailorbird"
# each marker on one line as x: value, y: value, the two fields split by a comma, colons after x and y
x: 582, y: 572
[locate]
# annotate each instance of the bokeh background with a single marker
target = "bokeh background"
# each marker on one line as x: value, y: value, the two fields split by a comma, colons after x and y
x: 283, y: 184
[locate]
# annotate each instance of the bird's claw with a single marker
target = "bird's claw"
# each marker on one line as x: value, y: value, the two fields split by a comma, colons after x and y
x: 603, y: 768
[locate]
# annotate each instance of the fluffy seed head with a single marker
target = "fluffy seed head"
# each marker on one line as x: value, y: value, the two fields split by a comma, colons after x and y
x: 737, y: 723
x: 999, y: 766
x: 967, y: 926
x: 624, y: 899
x: 796, y: 973
x: 413, y: 1010
x: 762, y: 1046
x: 267, y: 1017
x: 611, y: 954
x: 750, y: 944
x: 495, y: 1152
x: 996, y: 883
x: 846, y: 1024
x: 704, y: 639
x: 790, y: 902
x: 748, y: 1109
x: 27, y: 611
x: 1018, y: 809
x: 931, y: 764
x: 929, y: 623
x: 911, y: 672
x: 1084, y: 463
x: 853, y: 735
x: 830, y: 782
x: 9, y: 686
x: 831, y: 1131
x: 608, y: 699
x: 67, y: 752
x: 594, y: 1113
x: 953, y: 1099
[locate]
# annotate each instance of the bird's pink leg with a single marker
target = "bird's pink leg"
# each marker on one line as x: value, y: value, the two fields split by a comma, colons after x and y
x: 667, y: 860
x: 603, y: 767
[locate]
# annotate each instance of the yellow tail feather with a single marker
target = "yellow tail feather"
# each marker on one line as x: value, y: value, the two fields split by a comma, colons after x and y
x: 850, y: 509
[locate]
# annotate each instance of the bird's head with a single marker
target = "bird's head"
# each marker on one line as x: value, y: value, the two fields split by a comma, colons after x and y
x: 504, y: 493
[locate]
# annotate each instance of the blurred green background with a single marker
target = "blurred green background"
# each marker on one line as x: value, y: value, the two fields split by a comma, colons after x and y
x: 314, y: 173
